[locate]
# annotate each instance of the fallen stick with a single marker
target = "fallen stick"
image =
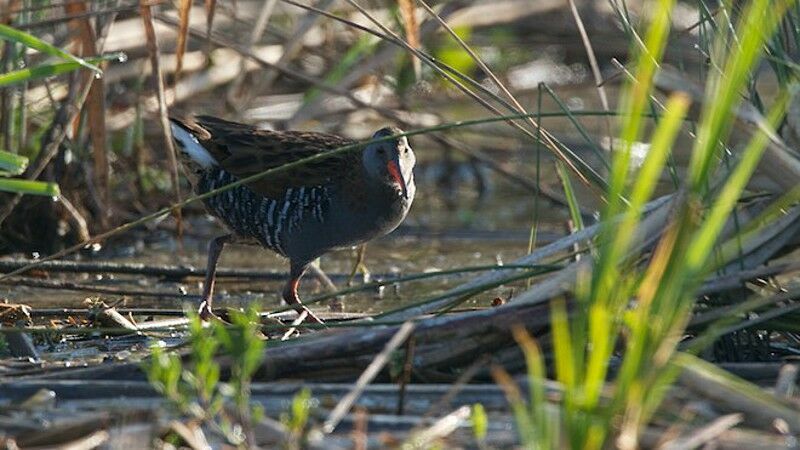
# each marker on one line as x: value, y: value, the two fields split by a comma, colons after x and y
x: 378, y: 398
x: 441, y: 428
x: 738, y: 279
x: 760, y: 408
x: 564, y: 244
x: 70, y: 286
x: 167, y: 271
x: 366, y: 377
x: 732, y: 439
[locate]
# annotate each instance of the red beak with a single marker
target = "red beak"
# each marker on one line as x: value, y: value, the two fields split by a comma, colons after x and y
x: 394, y: 171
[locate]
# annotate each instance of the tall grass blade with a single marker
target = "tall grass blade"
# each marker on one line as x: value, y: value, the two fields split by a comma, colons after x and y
x: 635, y: 100
x: 18, y: 186
x: 11, y: 34
x: 49, y: 70
x: 522, y: 417
x: 758, y: 21
x: 569, y: 192
x: 11, y: 163
x: 737, y: 180
x: 543, y: 429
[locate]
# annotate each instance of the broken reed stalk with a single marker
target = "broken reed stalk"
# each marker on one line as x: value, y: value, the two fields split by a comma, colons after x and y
x: 158, y: 82
x: 96, y: 112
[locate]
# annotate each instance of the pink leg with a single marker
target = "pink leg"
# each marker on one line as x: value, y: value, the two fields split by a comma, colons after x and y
x: 214, y: 251
x: 290, y: 293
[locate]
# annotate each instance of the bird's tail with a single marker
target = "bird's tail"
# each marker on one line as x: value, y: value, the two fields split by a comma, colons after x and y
x: 187, y: 138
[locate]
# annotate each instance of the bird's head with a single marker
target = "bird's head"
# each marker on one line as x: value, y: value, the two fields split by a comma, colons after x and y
x: 390, y: 161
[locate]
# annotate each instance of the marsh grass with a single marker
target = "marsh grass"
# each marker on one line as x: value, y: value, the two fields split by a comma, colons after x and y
x: 195, y: 388
x: 639, y: 311
x: 615, y: 342
x: 12, y: 164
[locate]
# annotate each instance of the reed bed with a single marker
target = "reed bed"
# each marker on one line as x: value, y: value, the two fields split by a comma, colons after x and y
x: 650, y: 302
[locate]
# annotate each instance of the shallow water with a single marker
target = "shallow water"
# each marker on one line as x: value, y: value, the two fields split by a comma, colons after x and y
x: 464, y: 215
x: 459, y: 229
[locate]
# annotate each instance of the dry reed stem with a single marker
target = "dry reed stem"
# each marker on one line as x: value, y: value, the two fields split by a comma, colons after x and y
x: 442, y: 428
x: 158, y: 81
x: 377, y: 364
x: 411, y: 27
x: 598, y: 76
x: 96, y: 114
x: 183, y: 17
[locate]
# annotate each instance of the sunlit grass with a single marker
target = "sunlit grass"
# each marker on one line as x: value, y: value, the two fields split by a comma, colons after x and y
x: 651, y: 305
x: 10, y: 163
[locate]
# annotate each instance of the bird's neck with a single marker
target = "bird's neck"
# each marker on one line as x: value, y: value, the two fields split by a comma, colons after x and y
x: 382, y: 190
x: 367, y: 193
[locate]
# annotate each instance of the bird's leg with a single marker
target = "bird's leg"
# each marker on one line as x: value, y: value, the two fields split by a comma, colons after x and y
x: 358, y: 265
x: 290, y: 295
x: 214, y: 250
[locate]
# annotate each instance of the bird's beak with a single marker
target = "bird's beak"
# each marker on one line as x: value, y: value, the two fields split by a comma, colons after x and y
x: 394, y: 170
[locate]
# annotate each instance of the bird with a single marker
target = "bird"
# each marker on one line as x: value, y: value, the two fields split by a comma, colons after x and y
x: 302, y: 212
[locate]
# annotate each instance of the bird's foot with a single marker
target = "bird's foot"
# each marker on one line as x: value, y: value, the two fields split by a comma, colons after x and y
x: 205, y: 312
x: 310, y: 316
x: 304, y: 315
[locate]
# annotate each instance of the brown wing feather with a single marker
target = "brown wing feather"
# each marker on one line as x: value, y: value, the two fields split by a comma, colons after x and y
x: 244, y: 150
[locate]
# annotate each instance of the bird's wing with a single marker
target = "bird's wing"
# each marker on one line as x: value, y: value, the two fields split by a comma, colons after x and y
x: 244, y: 150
